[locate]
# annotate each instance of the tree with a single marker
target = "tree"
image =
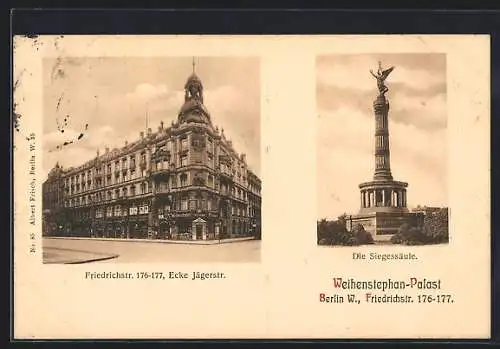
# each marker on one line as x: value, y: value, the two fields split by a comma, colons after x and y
x: 436, y: 226
x: 332, y: 232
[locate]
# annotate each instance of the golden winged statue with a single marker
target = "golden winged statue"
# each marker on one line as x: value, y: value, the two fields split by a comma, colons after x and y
x: 381, y: 76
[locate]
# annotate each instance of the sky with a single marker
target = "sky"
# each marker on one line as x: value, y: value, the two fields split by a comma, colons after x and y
x: 345, y: 91
x: 113, y: 95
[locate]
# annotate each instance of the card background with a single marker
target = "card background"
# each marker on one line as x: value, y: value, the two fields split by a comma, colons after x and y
x: 279, y: 296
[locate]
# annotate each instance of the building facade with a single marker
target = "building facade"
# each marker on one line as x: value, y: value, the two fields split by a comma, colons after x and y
x: 185, y: 181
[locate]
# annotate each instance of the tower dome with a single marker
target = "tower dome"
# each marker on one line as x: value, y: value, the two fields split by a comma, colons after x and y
x: 193, y: 109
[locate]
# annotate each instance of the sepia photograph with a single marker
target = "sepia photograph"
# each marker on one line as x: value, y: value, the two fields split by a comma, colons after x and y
x: 151, y: 159
x: 192, y: 170
x: 382, y: 149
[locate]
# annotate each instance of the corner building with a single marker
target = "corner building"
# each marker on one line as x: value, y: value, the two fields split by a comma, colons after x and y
x: 183, y: 182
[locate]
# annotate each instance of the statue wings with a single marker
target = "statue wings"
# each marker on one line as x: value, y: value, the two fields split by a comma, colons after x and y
x: 386, y: 73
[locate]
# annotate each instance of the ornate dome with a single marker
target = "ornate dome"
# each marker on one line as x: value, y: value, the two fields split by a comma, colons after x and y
x: 193, y: 109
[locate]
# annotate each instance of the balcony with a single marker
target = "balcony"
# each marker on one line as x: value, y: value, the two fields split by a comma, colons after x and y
x: 162, y: 190
x: 161, y: 154
x: 225, y: 193
x: 158, y: 170
x: 226, y: 174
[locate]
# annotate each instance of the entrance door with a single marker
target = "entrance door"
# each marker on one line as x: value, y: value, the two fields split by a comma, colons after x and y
x: 199, y: 232
x: 164, y: 230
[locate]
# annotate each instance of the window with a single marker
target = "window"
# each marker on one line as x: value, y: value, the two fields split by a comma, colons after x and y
x: 183, y: 180
x: 184, y: 143
x: 192, y: 204
x: 133, y: 210
x: 184, y: 160
x: 118, y: 210
x: 124, y: 192
x: 184, y: 204
x: 143, y: 188
x: 132, y: 190
x: 143, y: 209
x: 117, y: 193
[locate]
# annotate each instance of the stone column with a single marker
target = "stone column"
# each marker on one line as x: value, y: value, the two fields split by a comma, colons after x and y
x: 404, y: 198
x: 383, y: 197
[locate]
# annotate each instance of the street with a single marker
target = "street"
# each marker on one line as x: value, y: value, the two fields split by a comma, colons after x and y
x: 123, y: 251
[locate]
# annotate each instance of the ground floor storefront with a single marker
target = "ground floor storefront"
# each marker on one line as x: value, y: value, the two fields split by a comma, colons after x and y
x: 190, y: 227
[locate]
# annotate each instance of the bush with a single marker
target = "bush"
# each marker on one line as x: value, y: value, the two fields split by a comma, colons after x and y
x: 324, y: 242
x: 396, y: 239
x: 352, y: 241
x: 433, y: 231
x: 362, y: 236
x: 336, y: 233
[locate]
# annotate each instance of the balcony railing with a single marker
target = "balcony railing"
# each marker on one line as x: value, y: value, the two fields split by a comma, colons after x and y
x: 162, y: 190
x: 160, y: 170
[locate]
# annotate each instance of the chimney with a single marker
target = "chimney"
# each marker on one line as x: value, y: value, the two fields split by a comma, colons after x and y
x: 161, y: 125
x: 244, y: 157
x: 142, y: 134
x: 126, y: 143
x: 97, y: 152
x: 107, y: 150
x: 149, y: 131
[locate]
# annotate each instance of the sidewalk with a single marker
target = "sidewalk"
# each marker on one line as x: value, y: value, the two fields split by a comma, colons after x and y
x: 185, y: 242
x: 53, y: 255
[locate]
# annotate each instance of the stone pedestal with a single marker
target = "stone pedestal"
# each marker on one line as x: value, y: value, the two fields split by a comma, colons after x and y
x: 383, y: 225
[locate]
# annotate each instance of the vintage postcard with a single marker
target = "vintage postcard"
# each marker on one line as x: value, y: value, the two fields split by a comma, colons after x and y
x: 251, y: 187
